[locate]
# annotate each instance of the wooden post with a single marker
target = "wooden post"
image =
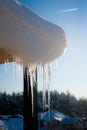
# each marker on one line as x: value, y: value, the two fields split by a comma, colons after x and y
x: 28, y: 121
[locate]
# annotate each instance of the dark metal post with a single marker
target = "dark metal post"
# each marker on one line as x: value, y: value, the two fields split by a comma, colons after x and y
x: 35, y: 104
x: 28, y: 121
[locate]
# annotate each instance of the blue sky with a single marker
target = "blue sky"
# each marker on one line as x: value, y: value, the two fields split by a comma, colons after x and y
x: 70, y: 72
x: 11, y: 78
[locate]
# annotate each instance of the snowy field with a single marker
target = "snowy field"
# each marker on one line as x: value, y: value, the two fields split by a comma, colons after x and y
x: 12, y: 123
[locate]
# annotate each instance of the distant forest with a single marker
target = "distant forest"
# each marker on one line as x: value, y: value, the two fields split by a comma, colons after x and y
x: 64, y: 102
x: 11, y: 103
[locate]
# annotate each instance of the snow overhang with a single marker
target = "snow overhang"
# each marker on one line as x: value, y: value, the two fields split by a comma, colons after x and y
x: 26, y: 37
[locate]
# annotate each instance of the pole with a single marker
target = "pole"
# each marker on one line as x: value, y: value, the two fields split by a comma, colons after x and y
x: 35, y: 102
x: 28, y: 121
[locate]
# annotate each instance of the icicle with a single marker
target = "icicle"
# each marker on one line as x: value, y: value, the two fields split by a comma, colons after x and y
x: 31, y: 72
x: 18, y: 69
x: 7, y: 63
x: 49, y: 85
x: 5, y: 67
x: 44, y: 87
x: 13, y: 72
x: 32, y: 83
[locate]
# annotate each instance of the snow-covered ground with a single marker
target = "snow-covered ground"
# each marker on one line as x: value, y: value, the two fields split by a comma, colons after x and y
x: 14, y: 124
x: 10, y: 123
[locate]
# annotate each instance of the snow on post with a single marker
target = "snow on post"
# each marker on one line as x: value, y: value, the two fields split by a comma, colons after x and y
x: 27, y: 37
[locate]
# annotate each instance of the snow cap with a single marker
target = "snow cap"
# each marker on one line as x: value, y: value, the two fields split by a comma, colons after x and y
x: 27, y: 37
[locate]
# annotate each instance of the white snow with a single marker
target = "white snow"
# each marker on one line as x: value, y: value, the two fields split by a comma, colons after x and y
x: 1, y: 123
x: 27, y: 37
x: 12, y: 123
x: 54, y: 115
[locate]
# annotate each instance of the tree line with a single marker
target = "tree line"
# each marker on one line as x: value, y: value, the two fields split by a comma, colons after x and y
x: 11, y: 103
x: 64, y: 102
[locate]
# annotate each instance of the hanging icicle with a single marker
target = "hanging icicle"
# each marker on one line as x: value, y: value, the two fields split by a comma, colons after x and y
x: 44, y: 90
x: 5, y: 67
x: 32, y: 80
x: 46, y: 86
x: 49, y: 86
x: 31, y: 73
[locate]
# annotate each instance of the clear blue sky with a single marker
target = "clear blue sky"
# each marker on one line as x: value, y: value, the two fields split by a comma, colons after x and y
x: 70, y: 72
